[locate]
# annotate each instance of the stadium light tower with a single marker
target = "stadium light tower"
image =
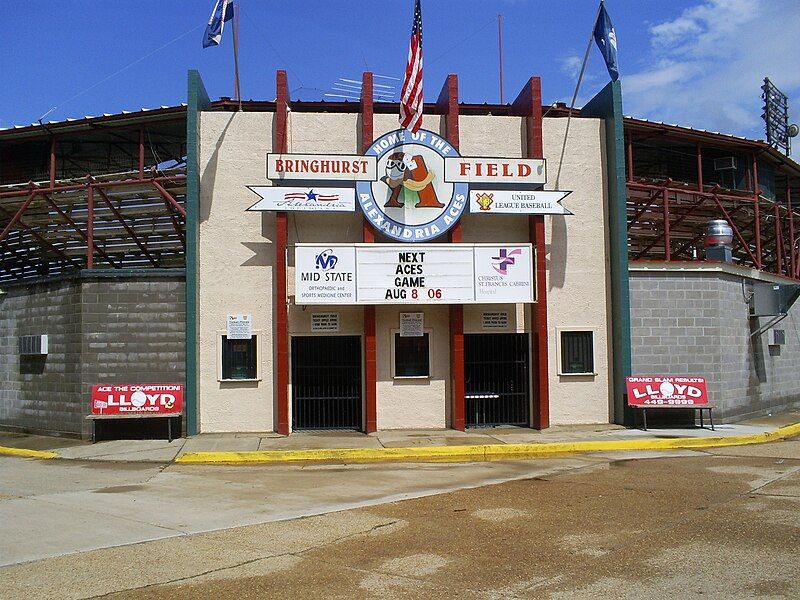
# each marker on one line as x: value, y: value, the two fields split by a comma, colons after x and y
x: 776, y: 117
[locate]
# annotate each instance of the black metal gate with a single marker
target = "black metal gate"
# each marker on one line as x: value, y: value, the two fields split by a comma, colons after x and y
x: 497, y: 379
x: 326, y: 382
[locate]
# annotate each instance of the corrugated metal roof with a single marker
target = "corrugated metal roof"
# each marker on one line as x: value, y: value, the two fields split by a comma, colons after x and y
x: 141, y: 111
x: 694, y: 130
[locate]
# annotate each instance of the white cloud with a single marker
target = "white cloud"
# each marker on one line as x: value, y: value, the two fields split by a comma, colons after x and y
x: 570, y: 65
x: 706, y: 66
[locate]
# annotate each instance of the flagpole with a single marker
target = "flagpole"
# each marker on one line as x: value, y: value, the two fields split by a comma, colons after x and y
x: 236, y: 88
x: 575, y: 95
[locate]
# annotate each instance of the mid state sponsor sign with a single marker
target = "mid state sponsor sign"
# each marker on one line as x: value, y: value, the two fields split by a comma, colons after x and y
x: 422, y: 274
x: 155, y: 399
x: 664, y: 390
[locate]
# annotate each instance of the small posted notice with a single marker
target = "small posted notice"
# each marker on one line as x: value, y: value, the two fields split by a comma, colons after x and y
x: 411, y: 324
x: 325, y: 322
x: 240, y: 327
x: 495, y: 320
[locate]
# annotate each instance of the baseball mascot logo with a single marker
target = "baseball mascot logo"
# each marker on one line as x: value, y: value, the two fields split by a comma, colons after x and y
x: 412, y: 202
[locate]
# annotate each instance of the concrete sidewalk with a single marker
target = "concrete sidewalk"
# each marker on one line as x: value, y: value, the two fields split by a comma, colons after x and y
x: 344, y: 446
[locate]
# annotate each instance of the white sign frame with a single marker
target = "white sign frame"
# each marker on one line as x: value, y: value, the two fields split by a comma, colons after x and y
x: 321, y: 280
x: 290, y: 199
x: 518, y: 202
x: 367, y: 167
x: 500, y: 171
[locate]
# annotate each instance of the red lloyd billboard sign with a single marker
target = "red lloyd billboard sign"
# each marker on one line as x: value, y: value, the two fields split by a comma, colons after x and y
x: 156, y: 399
x: 655, y: 390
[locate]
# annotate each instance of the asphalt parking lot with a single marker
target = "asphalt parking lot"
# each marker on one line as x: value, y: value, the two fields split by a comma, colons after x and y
x: 718, y: 523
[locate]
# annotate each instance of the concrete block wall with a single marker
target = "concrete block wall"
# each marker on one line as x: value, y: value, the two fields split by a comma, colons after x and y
x: 133, y: 331
x: 39, y: 393
x: 696, y: 322
x: 120, y: 329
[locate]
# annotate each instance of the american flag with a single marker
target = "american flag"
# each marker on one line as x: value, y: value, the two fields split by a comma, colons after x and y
x: 411, y: 97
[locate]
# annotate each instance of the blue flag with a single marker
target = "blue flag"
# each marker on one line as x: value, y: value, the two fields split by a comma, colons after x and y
x: 606, y: 39
x: 223, y: 11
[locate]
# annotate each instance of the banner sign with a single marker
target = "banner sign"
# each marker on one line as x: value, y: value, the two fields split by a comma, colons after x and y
x: 304, y: 199
x: 518, y: 171
x: 145, y: 399
x: 664, y: 390
x: 517, y: 202
x: 325, y: 167
x: 424, y: 274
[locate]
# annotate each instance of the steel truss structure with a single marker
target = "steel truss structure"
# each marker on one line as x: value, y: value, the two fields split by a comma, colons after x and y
x: 114, y: 198
x: 676, y: 186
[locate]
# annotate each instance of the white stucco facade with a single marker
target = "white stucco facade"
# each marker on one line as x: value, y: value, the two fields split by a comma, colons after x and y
x: 236, y: 266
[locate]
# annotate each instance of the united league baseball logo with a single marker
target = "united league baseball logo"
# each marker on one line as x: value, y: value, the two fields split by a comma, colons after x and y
x: 411, y: 201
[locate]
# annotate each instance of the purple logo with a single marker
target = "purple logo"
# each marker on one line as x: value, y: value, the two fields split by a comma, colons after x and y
x: 505, y: 259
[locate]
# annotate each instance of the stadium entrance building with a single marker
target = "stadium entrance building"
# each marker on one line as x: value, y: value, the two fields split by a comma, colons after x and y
x: 305, y: 265
x: 353, y: 275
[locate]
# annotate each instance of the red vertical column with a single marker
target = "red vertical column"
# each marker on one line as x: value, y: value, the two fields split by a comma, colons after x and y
x: 368, y: 236
x: 52, y: 162
x: 529, y: 105
x: 281, y: 240
x: 667, y: 240
x: 757, y: 211
x: 792, y: 248
x: 141, y: 152
x: 89, y: 224
x: 447, y: 104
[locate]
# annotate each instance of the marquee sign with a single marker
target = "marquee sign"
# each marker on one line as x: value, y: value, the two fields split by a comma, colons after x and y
x: 663, y: 390
x: 422, y: 274
x: 144, y: 399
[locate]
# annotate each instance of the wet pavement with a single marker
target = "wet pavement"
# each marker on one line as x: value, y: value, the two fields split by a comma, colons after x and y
x: 721, y: 523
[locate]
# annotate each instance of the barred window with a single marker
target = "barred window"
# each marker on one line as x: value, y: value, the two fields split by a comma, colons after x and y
x: 577, y: 352
x: 239, y: 358
x: 412, y: 356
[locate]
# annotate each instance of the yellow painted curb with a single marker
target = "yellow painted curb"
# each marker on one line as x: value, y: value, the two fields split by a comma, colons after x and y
x: 478, y: 453
x: 25, y: 453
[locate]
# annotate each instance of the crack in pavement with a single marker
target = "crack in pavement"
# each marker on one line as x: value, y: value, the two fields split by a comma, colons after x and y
x: 296, y: 553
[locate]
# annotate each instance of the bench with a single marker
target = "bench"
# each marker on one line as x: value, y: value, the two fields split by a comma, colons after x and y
x: 168, y: 416
x: 698, y: 407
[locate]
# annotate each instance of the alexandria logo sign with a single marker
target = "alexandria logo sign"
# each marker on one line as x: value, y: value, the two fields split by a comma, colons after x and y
x: 411, y: 187
x: 411, y: 201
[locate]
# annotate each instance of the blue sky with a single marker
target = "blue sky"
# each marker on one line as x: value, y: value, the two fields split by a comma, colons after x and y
x: 692, y: 62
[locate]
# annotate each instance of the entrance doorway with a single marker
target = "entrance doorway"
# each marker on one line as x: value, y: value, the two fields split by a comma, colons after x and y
x: 497, y: 372
x: 326, y: 382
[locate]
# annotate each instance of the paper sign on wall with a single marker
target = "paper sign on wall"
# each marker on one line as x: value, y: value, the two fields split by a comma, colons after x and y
x: 240, y: 327
x: 495, y: 320
x: 411, y: 324
x: 325, y: 322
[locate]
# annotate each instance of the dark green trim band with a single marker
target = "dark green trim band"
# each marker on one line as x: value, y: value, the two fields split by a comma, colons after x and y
x: 607, y: 105
x: 197, y: 101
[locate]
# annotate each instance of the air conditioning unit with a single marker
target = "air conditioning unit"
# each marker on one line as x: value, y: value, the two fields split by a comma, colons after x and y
x: 726, y: 163
x: 33, y: 345
x: 776, y: 337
